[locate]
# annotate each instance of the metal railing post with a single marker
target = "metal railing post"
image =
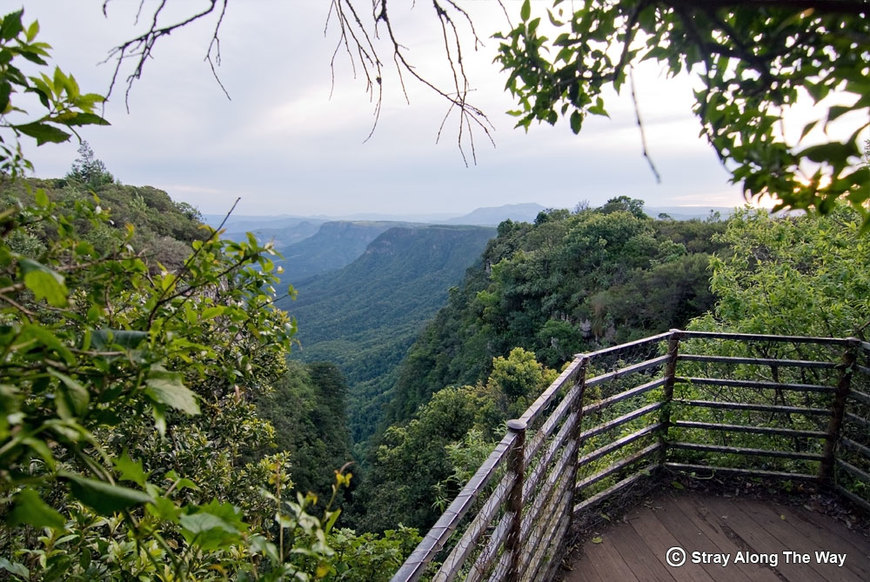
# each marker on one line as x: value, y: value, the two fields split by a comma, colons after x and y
x: 514, y: 501
x: 838, y: 409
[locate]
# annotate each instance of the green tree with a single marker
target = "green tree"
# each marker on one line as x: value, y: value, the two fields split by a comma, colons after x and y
x: 792, y: 276
x: 63, y: 106
x: 89, y: 170
x: 752, y: 60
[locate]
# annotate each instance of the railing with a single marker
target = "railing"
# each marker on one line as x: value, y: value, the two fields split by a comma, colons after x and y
x: 706, y: 404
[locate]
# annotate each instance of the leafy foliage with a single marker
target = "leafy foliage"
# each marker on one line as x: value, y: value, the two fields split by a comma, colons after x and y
x: 65, y: 107
x: 568, y: 283
x: 792, y: 276
x: 418, y: 466
x: 365, y: 316
x: 753, y: 61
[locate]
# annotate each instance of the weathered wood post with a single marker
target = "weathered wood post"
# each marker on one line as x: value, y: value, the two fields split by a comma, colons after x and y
x: 838, y: 409
x: 580, y: 382
x: 514, y: 501
x: 670, y: 374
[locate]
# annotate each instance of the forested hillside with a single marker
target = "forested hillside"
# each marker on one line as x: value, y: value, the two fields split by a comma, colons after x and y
x: 336, y: 244
x: 365, y: 316
x: 567, y: 283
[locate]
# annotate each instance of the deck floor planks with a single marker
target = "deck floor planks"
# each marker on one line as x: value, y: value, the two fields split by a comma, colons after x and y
x: 821, y: 530
x: 699, y: 529
x: 657, y: 537
x: 727, y: 525
x: 760, y: 538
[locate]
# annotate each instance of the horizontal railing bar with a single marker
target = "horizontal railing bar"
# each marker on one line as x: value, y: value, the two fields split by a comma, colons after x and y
x: 767, y: 338
x: 534, y: 553
x: 547, y: 396
x: 763, y: 385
x: 558, y: 525
x: 856, y: 499
x: 859, y: 396
x: 611, y: 424
x: 552, y: 421
x: 563, y: 435
x: 863, y: 369
x: 637, y: 390
x: 617, y: 444
x: 745, y: 451
x: 633, y: 369
x: 438, y: 535
x: 856, y: 446
x: 753, y: 407
x: 475, y: 530
x: 615, y: 488
x: 626, y: 346
x: 756, y: 361
x: 754, y: 429
x: 490, y: 550
x: 616, y: 467
x: 854, y: 471
x: 749, y: 472
x: 858, y: 419
x: 543, y: 495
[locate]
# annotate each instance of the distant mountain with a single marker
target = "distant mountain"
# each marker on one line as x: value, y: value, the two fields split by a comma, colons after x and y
x: 495, y: 215
x: 283, y: 230
x: 364, y: 316
x: 334, y: 245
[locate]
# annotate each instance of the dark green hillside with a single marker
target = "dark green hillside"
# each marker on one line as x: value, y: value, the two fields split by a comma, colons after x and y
x: 570, y: 282
x: 162, y: 229
x: 364, y: 316
x: 334, y: 245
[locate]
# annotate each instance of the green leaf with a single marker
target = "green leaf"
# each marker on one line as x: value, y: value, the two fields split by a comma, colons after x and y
x: 43, y: 132
x: 525, y: 11
x: 102, y: 497
x: 14, y: 568
x: 76, y: 395
x: 29, y: 508
x: 43, y: 282
x: 167, y: 388
x: 576, y: 121
x: 213, y: 525
x: 85, y: 119
x: 130, y: 470
x: 105, y: 338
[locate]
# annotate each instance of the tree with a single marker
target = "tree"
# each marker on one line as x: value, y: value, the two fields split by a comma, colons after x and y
x: 754, y: 60
x: 64, y: 106
x: 792, y: 276
x: 87, y: 169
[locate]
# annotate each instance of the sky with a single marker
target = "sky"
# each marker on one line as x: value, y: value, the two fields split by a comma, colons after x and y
x: 291, y: 140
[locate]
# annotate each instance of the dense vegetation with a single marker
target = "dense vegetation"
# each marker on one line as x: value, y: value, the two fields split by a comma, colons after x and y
x: 567, y: 283
x: 365, y: 316
x: 572, y: 281
x: 140, y: 374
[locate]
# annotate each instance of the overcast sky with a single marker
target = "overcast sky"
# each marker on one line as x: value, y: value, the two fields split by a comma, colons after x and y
x: 286, y: 147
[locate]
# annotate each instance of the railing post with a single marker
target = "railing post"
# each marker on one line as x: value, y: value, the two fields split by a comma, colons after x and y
x: 670, y: 374
x: 516, y: 465
x: 580, y: 381
x: 838, y: 409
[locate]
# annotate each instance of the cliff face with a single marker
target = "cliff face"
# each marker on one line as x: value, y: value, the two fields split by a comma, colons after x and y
x: 335, y: 245
x: 365, y: 315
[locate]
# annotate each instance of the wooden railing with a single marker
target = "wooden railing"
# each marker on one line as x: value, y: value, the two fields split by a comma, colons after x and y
x: 705, y: 404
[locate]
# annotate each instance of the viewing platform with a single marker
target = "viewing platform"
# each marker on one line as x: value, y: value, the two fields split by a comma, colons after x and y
x: 696, y: 537
x: 619, y: 427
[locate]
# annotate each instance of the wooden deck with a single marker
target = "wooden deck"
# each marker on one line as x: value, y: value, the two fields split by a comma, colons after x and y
x: 636, y: 548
